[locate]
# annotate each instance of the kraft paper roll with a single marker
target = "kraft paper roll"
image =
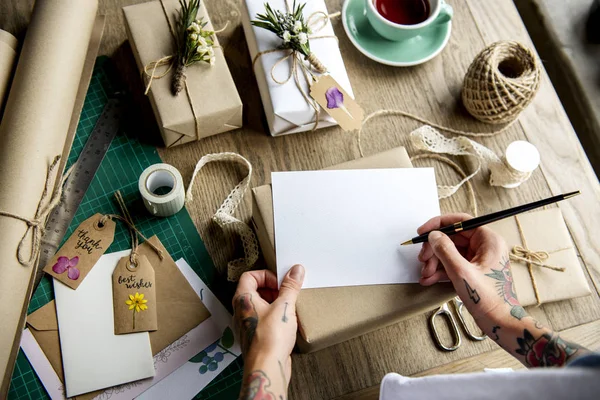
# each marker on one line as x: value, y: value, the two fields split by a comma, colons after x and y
x: 157, y: 176
x: 33, y: 131
x: 8, y: 56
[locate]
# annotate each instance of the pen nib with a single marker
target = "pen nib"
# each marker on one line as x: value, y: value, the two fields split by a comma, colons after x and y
x: 407, y: 242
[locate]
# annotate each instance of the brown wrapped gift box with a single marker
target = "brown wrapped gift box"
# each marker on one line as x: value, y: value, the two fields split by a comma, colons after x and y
x: 216, y: 101
x: 544, y: 230
x: 333, y: 315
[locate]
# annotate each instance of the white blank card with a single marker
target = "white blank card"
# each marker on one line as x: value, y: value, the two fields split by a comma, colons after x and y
x: 346, y: 226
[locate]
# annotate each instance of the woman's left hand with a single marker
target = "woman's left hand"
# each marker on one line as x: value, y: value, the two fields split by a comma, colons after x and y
x: 266, y: 320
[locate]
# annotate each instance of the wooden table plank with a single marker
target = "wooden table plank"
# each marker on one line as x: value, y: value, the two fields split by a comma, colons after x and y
x: 587, y: 335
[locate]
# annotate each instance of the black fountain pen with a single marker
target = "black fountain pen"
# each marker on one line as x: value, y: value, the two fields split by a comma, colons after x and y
x: 488, y: 219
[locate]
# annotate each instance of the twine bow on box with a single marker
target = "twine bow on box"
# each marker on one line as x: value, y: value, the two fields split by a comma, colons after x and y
x: 314, y: 23
x: 531, y: 258
x: 149, y: 73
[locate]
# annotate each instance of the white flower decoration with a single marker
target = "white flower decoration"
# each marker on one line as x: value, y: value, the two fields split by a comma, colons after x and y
x: 302, y: 38
x: 212, y: 60
x: 287, y: 36
x: 297, y: 26
x: 202, y: 41
x: 201, y: 49
x: 194, y: 36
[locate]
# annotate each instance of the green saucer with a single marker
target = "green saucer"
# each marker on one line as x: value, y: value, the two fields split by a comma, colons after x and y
x: 398, y: 54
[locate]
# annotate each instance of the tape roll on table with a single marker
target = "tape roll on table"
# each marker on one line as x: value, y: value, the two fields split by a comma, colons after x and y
x: 160, y: 176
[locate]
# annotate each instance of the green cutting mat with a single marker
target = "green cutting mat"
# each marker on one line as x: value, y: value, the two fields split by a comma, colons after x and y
x: 123, y: 164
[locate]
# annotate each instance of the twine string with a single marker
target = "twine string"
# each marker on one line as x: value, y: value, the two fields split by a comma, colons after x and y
x: 298, y: 64
x: 224, y: 217
x: 149, y: 72
x: 531, y: 258
x: 133, y: 230
x: 50, y: 198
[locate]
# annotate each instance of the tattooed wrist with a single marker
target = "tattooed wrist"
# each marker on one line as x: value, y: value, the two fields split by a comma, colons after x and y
x: 547, y: 350
x: 257, y: 386
x: 506, y: 288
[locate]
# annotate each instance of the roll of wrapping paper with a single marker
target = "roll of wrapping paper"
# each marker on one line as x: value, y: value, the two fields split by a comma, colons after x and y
x: 8, y: 56
x: 33, y: 131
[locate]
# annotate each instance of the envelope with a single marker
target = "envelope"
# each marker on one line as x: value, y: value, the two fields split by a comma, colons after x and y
x: 173, y: 293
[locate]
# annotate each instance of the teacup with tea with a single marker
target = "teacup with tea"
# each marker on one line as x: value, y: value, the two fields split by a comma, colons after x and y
x: 404, y: 19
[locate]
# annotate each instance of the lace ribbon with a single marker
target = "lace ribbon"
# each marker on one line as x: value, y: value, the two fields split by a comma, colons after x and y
x: 224, y: 215
x: 36, y: 225
x: 501, y: 174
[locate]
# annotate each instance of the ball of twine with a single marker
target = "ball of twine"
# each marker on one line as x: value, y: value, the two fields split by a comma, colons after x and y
x: 501, y: 82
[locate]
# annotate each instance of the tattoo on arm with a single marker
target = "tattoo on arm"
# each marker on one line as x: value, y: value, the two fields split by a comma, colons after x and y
x: 506, y: 288
x: 548, y: 350
x: 245, y: 312
x: 255, y: 387
x: 495, y: 330
x: 473, y: 295
x: 285, y: 318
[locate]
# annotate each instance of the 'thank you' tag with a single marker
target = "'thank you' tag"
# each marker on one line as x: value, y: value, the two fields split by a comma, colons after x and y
x: 134, y: 296
x: 74, y: 260
x: 337, y: 103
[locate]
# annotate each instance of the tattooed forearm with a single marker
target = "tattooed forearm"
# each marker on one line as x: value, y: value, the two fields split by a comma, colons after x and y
x: 285, y: 318
x: 473, y: 295
x: 255, y: 387
x: 548, y: 350
x: 506, y: 288
x: 246, y: 314
x: 495, y: 330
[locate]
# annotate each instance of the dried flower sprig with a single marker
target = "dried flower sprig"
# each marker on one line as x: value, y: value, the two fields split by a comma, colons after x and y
x: 292, y: 28
x: 194, y: 43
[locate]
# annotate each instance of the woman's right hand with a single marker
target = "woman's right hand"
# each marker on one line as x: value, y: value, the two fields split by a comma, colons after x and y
x: 477, y: 263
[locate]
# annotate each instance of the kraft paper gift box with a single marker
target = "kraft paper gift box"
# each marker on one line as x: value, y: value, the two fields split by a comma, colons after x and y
x: 214, y: 105
x: 328, y: 316
x: 173, y: 293
x: 286, y: 109
x: 543, y: 231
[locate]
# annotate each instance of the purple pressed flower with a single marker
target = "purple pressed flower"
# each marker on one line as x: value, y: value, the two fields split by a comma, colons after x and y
x: 65, y: 264
x: 335, y: 98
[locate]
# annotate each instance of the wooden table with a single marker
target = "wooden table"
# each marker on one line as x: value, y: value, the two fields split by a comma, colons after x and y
x: 431, y: 91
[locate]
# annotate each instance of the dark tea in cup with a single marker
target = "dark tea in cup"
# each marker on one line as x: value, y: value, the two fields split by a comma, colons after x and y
x: 403, y: 12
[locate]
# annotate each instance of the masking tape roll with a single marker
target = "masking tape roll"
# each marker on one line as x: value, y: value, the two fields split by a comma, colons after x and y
x: 161, y: 176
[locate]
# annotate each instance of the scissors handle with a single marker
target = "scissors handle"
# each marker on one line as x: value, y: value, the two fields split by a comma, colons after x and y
x: 444, y: 310
x: 459, y: 305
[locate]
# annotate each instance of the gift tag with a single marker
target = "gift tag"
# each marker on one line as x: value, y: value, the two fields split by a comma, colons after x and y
x: 74, y: 260
x: 134, y: 296
x: 337, y: 103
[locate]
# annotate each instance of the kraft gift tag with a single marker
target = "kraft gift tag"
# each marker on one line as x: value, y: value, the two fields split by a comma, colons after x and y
x: 337, y: 103
x: 134, y: 296
x: 74, y: 260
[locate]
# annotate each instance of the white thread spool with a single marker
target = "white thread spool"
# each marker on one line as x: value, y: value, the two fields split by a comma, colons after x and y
x: 523, y: 158
x: 159, y: 176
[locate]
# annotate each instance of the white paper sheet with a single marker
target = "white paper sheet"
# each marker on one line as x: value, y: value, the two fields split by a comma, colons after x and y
x: 194, y: 375
x: 172, y: 364
x: 346, y: 227
x: 42, y: 367
x: 93, y: 356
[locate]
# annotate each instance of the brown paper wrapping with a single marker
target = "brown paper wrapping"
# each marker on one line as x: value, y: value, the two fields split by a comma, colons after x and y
x: 8, y: 57
x: 328, y: 316
x: 215, y: 99
x: 33, y: 131
x: 544, y: 230
x: 173, y: 293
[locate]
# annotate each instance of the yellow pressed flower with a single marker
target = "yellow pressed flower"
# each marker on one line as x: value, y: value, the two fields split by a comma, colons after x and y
x: 137, y: 302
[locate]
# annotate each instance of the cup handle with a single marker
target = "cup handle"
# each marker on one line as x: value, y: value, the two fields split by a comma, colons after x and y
x: 446, y: 13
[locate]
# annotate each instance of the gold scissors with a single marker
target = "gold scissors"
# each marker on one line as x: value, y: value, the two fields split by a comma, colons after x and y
x: 445, y: 310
